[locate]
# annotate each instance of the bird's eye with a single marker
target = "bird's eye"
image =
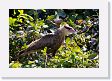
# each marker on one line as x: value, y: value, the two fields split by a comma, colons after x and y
x: 67, y: 27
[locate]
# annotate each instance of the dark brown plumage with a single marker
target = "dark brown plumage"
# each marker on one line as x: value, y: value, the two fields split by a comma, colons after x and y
x: 51, y: 41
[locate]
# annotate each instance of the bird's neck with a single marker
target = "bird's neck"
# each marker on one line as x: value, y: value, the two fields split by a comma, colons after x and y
x: 60, y: 32
x: 59, y: 36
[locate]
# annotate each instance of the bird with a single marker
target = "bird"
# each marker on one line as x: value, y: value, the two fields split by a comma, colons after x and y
x: 52, y: 41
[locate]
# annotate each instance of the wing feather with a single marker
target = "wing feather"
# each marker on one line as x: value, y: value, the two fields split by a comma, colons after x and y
x: 45, y: 41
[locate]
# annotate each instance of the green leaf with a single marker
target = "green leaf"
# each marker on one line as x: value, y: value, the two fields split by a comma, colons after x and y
x: 31, y: 62
x: 67, y: 40
x: 12, y: 20
x: 51, y: 17
x: 15, y: 65
x: 61, y: 13
x: 92, y: 56
x: 43, y: 10
x: 71, y: 22
x: 78, y: 49
x: 21, y: 12
x: 44, y: 50
x: 14, y: 12
x: 24, y: 46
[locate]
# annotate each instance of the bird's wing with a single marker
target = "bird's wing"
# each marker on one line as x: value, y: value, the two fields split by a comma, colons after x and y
x: 45, y: 41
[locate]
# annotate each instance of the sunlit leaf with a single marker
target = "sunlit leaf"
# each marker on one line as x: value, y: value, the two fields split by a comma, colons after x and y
x: 67, y: 40
x: 43, y: 10
x: 21, y: 12
x: 31, y: 62
x: 92, y: 56
x: 51, y: 17
x: 15, y: 65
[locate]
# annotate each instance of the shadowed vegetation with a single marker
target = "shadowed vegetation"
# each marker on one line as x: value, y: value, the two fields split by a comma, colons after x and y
x: 80, y: 51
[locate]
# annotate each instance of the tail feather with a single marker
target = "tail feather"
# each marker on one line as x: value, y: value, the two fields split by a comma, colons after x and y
x: 21, y: 53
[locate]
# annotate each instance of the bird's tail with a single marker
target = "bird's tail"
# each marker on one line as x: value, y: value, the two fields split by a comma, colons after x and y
x: 21, y: 53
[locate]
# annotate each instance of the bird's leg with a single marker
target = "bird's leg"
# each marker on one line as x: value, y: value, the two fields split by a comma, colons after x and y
x: 49, y: 55
x: 46, y: 61
x: 21, y: 55
x: 49, y: 51
x: 53, y: 54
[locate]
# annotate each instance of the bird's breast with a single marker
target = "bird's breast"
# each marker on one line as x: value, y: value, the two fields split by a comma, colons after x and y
x: 58, y: 40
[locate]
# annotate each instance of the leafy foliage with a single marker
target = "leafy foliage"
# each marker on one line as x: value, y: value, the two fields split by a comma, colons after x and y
x: 80, y: 51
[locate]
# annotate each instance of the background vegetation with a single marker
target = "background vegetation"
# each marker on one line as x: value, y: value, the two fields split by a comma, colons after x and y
x: 81, y: 49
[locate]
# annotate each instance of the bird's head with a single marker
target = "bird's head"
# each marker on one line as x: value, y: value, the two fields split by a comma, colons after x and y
x: 67, y: 30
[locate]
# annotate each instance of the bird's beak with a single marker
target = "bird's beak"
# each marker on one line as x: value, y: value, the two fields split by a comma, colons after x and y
x: 74, y: 31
